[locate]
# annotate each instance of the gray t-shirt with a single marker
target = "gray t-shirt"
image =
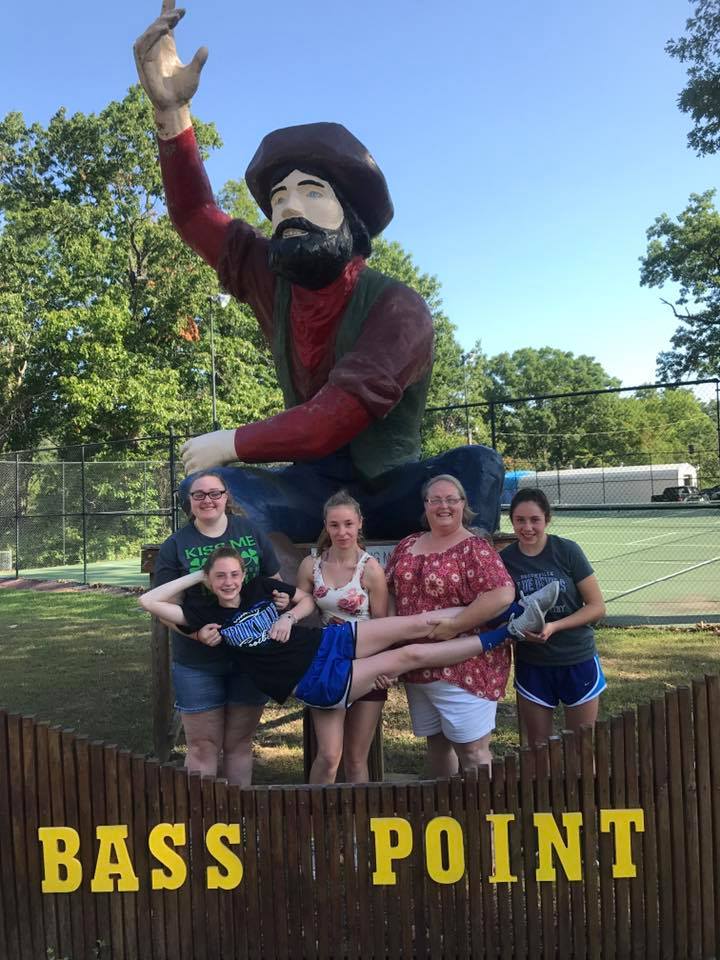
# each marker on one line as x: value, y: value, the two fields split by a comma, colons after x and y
x: 561, y: 560
x: 186, y: 551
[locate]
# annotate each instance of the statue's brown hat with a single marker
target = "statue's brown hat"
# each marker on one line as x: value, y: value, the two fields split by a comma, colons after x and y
x: 330, y: 151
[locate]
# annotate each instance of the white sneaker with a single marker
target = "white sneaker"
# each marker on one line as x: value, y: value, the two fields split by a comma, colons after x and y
x: 531, y: 619
x: 545, y: 597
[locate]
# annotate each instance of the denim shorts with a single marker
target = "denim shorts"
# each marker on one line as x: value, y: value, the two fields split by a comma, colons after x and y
x: 199, y: 690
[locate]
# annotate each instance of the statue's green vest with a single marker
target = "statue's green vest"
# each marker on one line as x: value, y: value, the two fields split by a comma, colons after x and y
x: 386, y: 443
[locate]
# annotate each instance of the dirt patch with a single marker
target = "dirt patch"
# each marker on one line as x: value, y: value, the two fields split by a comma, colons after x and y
x: 65, y: 586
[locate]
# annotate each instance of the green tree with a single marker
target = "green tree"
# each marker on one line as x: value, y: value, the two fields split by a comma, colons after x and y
x: 98, y: 295
x: 562, y: 431
x: 685, y: 252
x: 699, y: 48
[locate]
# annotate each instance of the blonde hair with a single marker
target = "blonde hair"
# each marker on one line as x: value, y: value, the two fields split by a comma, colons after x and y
x: 467, y: 515
x: 340, y: 499
x: 231, y: 507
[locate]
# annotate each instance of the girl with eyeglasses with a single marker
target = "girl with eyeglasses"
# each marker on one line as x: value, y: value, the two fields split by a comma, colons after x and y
x: 220, y: 706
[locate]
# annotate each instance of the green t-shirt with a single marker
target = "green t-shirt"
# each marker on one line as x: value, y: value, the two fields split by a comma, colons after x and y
x: 564, y: 561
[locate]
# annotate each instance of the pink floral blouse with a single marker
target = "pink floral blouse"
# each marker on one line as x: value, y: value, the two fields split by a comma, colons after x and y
x: 453, y: 578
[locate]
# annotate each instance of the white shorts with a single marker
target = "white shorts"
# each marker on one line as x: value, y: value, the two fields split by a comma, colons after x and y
x: 441, y: 707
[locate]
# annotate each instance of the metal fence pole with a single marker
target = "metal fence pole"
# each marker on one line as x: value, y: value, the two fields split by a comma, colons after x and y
x: 63, y: 515
x: 173, y: 494
x: 17, y: 516
x: 84, y: 510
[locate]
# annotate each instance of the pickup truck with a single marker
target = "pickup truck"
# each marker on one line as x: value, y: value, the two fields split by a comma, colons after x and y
x: 678, y: 495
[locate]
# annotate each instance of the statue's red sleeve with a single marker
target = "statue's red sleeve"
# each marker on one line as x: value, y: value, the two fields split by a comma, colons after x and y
x: 307, y: 432
x: 190, y: 202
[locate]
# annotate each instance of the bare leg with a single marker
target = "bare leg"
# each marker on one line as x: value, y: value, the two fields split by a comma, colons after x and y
x: 204, y: 738
x: 442, y: 759
x: 329, y: 730
x: 240, y: 725
x: 538, y: 721
x: 474, y: 754
x: 376, y: 635
x: 416, y: 656
x: 583, y: 713
x: 360, y: 725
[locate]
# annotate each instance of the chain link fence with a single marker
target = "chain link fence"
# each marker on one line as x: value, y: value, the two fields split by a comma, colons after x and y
x: 83, y: 512
x: 633, y: 474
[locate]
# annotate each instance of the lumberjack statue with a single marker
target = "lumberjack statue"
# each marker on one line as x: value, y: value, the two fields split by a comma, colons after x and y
x: 352, y: 348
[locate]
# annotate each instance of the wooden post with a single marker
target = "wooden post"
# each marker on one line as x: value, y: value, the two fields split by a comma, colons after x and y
x: 164, y: 725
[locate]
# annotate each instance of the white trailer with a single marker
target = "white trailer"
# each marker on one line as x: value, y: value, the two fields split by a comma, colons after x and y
x: 610, y: 484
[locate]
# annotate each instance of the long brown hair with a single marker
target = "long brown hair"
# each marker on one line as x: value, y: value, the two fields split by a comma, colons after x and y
x: 231, y: 507
x: 340, y: 499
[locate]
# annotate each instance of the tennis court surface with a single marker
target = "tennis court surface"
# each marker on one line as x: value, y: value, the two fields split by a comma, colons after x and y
x: 655, y: 564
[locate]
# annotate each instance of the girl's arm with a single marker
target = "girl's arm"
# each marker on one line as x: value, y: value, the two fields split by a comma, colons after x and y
x: 373, y: 580
x: 593, y: 609
x: 164, y: 601
x: 303, y: 606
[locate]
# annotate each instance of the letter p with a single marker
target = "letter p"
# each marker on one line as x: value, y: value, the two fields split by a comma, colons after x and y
x: 393, y: 841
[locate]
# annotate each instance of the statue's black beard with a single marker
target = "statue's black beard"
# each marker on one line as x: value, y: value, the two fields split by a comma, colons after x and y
x: 313, y: 260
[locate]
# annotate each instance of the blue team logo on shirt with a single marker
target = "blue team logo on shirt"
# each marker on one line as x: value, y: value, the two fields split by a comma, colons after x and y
x: 250, y: 628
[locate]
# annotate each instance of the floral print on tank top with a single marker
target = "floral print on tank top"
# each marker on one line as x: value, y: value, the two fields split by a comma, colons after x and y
x: 453, y: 578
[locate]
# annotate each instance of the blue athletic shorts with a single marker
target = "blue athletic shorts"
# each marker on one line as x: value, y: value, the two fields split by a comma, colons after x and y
x: 199, y: 690
x: 326, y: 682
x: 550, y: 685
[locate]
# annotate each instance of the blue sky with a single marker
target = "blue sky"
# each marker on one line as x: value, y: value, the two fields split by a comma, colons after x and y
x: 528, y: 146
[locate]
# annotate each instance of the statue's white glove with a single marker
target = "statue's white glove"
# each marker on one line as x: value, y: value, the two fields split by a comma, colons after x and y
x: 209, y: 450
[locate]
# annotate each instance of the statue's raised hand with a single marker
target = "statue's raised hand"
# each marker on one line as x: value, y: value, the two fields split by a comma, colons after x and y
x: 169, y: 83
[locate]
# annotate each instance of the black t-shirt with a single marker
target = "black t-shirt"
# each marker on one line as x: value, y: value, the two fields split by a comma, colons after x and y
x: 186, y: 551
x: 274, y: 667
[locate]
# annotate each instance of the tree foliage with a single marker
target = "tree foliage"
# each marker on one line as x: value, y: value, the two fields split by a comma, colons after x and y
x: 686, y: 252
x: 699, y: 48
x: 547, y: 432
x: 98, y: 295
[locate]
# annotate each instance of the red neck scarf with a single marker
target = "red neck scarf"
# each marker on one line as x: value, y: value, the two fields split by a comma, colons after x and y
x: 315, y: 314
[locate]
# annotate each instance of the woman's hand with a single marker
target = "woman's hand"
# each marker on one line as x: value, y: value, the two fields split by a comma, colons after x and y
x: 547, y: 631
x: 209, y: 635
x: 384, y: 682
x: 281, y: 600
x: 280, y: 630
x: 443, y: 629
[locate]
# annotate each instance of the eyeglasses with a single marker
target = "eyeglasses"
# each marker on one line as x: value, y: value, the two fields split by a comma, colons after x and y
x: 448, y: 501
x: 199, y: 495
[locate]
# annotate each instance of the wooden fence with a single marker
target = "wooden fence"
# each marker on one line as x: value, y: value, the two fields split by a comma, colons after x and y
x: 308, y: 854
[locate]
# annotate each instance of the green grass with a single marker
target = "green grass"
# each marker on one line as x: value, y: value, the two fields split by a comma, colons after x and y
x: 82, y: 660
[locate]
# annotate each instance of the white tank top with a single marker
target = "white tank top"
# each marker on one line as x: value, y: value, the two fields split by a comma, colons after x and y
x: 349, y: 602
